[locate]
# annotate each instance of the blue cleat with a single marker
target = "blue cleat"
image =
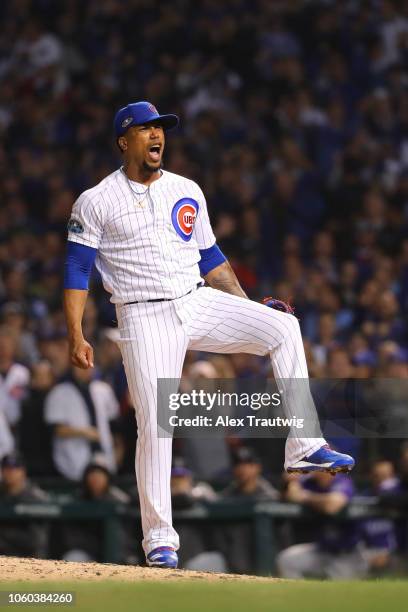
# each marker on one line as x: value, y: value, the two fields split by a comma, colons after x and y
x: 164, y: 556
x: 323, y: 460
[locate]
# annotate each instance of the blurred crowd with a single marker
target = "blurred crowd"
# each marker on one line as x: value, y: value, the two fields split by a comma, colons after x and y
x: 294, y: 121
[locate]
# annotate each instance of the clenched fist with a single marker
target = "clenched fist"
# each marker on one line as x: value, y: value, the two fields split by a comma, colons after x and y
x: 81, y: 353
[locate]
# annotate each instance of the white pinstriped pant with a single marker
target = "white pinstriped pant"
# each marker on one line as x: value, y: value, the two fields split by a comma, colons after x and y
x: 154, y: 339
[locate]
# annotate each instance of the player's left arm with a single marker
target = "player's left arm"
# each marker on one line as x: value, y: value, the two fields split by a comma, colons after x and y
x: 214, y: 267
x: 224, y: 278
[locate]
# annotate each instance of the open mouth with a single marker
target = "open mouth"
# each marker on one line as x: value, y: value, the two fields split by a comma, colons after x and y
x: 154, y: 152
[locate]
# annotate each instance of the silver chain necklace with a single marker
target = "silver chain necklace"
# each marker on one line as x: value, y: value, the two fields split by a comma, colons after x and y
x: 139, y: 201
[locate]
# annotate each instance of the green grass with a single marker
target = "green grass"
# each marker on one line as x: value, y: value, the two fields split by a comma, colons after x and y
x: 302, y: 596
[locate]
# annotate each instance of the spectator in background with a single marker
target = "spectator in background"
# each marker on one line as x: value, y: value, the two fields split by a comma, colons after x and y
x: 53, y: 347
x: 207, y: 457
x: 403, y: 466
x: 14, y: 377
x: 7, y: 441
x: 379, y: 534
x: 20, y: 538
x: 383, y: 478
x: 184, y: 490
x: 14, y: 318
x: 6, y: 437
x: 236, y: 539
x: 339, y: 402
x: 335, y: 552
x: 363, y: 363
x: 326, y: 338
x: 37, y: 449
x: 396, y: 497
x: 385, y: 322
x: 198, y: 542
x: 80, y: 410
x: 15, y: 284
x: 83, y: 540
x: 97, y: 483
x: 387, y: 398
x: 247, y: 481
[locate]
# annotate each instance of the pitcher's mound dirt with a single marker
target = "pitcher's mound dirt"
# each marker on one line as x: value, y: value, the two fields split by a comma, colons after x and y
x: 14, y: 569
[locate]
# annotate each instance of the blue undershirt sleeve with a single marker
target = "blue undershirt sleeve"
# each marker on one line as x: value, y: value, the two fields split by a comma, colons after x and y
x: 210, y: 259
x: 78, y: 265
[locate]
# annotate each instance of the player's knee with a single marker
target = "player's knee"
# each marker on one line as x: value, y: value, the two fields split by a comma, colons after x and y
x: 293, y: 325
x: 290, y: 328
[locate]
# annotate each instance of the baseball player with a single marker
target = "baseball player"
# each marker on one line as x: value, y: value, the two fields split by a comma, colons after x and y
x: 336, y: 552
x: 149, y: 234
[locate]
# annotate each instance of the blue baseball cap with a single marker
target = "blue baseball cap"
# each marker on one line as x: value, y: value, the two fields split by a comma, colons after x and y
x: 140, y: 113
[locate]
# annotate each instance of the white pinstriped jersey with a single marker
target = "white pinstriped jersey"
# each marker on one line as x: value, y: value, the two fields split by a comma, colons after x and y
x: 148, y: 246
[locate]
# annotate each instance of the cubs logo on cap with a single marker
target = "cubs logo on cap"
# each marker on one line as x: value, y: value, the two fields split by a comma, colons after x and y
x: 183, y: 217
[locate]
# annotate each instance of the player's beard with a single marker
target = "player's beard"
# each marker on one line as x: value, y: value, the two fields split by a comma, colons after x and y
x: 152, y: 169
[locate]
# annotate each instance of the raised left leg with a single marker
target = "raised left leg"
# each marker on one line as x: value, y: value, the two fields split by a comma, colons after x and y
x: 222, y: 323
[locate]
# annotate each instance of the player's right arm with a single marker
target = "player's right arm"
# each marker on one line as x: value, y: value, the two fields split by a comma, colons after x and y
x: 85, y: 230
x: 81, y: 352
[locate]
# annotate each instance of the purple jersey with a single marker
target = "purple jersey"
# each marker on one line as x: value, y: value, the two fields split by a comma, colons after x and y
x: 380, y: 533
x: 335, y: 535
